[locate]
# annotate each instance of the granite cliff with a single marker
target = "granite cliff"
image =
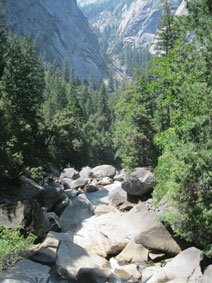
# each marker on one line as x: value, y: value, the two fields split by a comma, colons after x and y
x: 61, y: 30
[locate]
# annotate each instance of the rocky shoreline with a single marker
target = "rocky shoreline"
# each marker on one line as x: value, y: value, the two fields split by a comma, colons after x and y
x: 95, y: 226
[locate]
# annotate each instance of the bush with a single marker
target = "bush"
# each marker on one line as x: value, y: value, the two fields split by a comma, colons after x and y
x: 12, y: 245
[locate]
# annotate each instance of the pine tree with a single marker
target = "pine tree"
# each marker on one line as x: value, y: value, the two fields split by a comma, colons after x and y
x: 22, y: 86
x: 166, y: 36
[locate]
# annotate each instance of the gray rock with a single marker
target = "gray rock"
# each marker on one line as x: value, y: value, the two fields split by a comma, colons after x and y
x: 63, y: 32
x: 154, y: 236
x: 71, y: 258
x: 46, y: 256
x: 29, y: 189
x: 85, y: 172
x: 184, y: 268
x: 51, y: 194
x: 73, y: 215
x: 128, y: 271
x: 104, y: 171
x: 52, y: 222
x: 78, y: 183
x: 117, y: 196
x: 27, y: 214
x: 133, y: 253
x: 95, y: 275
x: 69, y: 173
x: 53, y: 238
x: 66, y: 182
x: 26, y: 271
x: 207, y: 276
x: 134, y: 187
x: 89, y: 188
x: 108, y: 233
x: 122, y: 175
x: 105, y: 181
x: 61, y: 204
x: 138, y: 183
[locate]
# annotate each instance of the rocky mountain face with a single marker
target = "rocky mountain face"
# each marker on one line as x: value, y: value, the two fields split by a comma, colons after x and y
x: 123, y: 25
x: 62, y: 31
x: 136, y: 21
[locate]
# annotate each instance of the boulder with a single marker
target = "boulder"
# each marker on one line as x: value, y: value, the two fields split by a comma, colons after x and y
x: 69, y: 173
x: 140, y: 172
x: 89, y: 188
x: 128, y: 271
x: 102, y: 209
x: 132, y: 253
x: 51, y: 194
x: 103, y: 171
x: 136, y: 187
x: 121, y: 176
x: 27, y: 214
x: 74, y: 214
x: 139, y: 183
x: 71, y: 258
x: 72, y: 194
x: 117, y: 196
x: 78, y: 183
x: 53, y: 238
x: 60, y: 206
x: 29, y: 189
x: 85, y: 172
x: 206, y: 278
x: 26, y: 271
x: 52, y: 222
x: 105, y: 181
x: 184, y: 268
x: 155, y: 237
x: 109, y: 233
x: 45, y: 256
x: 66, y: 182
x: 96, y: 275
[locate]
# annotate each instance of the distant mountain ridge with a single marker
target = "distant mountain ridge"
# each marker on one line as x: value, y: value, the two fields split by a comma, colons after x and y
x: 126, y: 29
x: 62, y: 31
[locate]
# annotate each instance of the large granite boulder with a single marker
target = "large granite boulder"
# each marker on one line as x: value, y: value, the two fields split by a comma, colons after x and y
x: 117, y: 196
x: 26, y: 271
x: 69, y: 173
x: 52, y: 222
x: 103, y: 171
x: 61, y: 204
x: 71, y: 258
x: 78, y: 183
x: 109, y: 233
x: 133, y: 253
x: 206, y: 278
x: 27, y: 214
x: 96, y: 275
x: 85, y: 172
x: 184, y: 268
x: 51, y: 195
x: 138, y: 184
x: 29, y: 189
x: 73, y: 215
x: 46, y: 256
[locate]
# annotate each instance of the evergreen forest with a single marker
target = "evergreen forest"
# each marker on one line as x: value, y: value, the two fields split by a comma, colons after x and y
x: 160, y: 118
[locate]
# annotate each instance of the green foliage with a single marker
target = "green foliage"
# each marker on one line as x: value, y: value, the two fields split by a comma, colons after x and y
x: 184, y: 168
x: 134, y: 126
x: 12, y: 245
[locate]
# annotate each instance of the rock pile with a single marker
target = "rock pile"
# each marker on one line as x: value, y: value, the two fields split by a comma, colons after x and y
x: 91, y: 231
